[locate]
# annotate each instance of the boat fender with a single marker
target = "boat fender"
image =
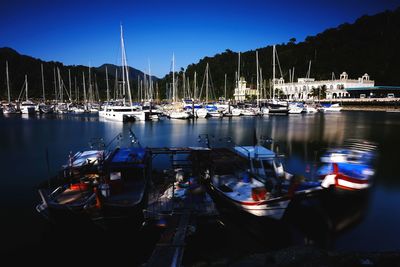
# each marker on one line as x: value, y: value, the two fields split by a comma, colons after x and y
x: 105, y: 190
x: 329, y: 180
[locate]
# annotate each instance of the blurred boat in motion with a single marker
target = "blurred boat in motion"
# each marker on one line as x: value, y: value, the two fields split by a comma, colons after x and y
x: 348, y: 168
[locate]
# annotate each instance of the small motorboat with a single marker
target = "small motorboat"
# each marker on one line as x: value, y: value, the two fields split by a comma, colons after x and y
x: 330, y: 108
x: 107, y: 187
x: 348, y: 168
x: 251, y: 181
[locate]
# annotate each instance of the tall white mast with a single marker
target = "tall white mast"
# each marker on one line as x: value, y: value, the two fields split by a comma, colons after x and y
x: 76, y: 90
x: 225, y: 88
x: 8, y: 84
x: 138, y: 88
x: 125, y: 70
x: 173, y: 78
x: 55, y: 85
x: 44, y: 94
x: 69, y: 83
x: 184, y: 84
x: 145, y: 87
x: 150, y: 84
x: 108, y: 89
x: 26, y: 87
x: 195, y: 86
x: 60, y: 85
x: 293, y: 75
x: 90, y: 89
x: 309, y: 69
x: 84, y: 90
x: 207, y: 84
x: 273, y: 72
x: 258, y: 81
x: 238, y: 73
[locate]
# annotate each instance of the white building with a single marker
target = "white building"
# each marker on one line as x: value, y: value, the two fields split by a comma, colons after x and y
x: 244, y: 93
x: 335, y: 88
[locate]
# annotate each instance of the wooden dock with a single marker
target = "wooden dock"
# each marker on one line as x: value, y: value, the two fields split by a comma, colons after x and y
x: 178, y: 214
x: 177, y: 206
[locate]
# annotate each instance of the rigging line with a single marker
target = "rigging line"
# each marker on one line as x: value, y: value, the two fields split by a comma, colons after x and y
x: 22, y: 90
x: 202, y: 84
x: 279, y: 64
x: 213, y: 94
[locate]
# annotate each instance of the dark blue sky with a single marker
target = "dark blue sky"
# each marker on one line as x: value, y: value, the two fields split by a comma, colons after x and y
x: 87, y: 32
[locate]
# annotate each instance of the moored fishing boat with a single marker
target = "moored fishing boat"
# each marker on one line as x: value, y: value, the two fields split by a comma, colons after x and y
x: 250, y: 181
x: 107, y: 187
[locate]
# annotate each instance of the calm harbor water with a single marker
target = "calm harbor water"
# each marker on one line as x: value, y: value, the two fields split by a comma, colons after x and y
x: 25, y: 140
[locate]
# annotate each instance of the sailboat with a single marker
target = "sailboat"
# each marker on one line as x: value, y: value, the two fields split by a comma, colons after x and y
x: 27, y: 106
x: 211, y: 108
x: 176, y: 113
x: 43, y: 107
x: 126, y: 111
x: 274, y: 106
x: 9, y: 108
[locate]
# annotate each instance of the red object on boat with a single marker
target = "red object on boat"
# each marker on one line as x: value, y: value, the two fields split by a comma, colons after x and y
x: 258, y: 193
x: 79, y: 186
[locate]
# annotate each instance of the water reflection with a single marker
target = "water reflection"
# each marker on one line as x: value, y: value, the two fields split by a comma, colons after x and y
x: 301, y: 138
x: 320, y: 223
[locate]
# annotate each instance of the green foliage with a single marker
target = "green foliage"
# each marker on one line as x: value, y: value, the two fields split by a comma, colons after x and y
x: 19, y: 65
x: 370, y: 45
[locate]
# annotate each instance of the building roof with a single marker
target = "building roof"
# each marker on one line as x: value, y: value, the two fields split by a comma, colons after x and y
x: 373, y: 88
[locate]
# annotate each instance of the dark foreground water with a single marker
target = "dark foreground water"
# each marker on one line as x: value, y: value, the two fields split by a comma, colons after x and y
x: 25, y: 140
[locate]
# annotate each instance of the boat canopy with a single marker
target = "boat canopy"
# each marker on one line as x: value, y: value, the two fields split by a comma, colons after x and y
x: 130, y: 155
x: 255, y: 152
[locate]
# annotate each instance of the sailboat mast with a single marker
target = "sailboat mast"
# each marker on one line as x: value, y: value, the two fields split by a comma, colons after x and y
x: 26, y: 87
x: 108, y: 89
x: 69, y: 83
x: 225, y: 87
x: 273, y: 72
x: 123, y: 65
x: 60, y: 85
x: 262, y: 85
x: 145, y: 85
x: 258, y: 79
x: 55, y: 85
x: 195, y: 86
x: 76, y: 91
x: 138, y: 88
x: 151, y: 85
x: 44, y: 95
x: 84, y: 90
x: 293, y: 75
x: 116, y: 87
x: 184, y: 84
x: 207, y: 84
x: 90, y: 93
x: 173, y: 78
x: 8, y: 83
x: 125, y: 69
x: 238, y: 73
